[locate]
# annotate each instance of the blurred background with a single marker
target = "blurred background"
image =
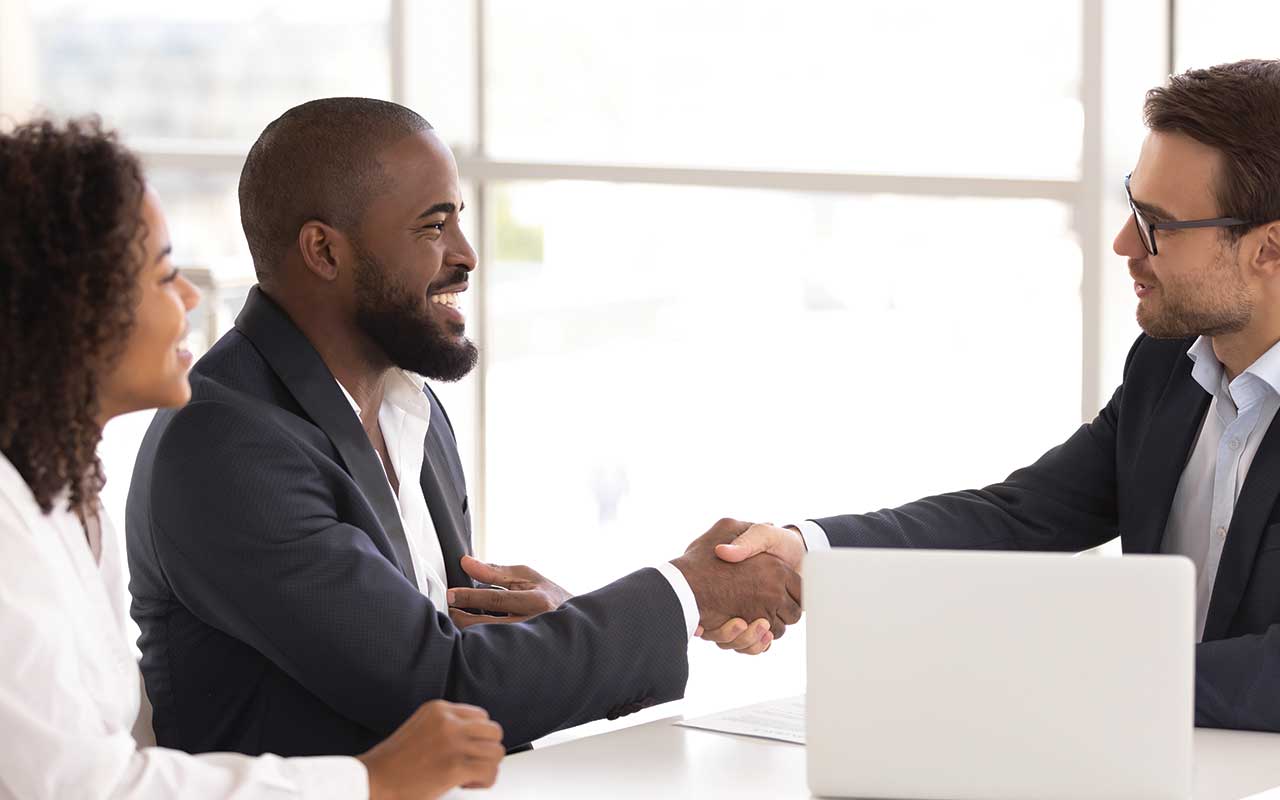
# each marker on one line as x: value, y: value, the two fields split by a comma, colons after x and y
x: 746, y: 259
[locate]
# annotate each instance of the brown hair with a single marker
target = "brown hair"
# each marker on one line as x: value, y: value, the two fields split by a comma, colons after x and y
x: 70, y: 243
x: 1235, y: 109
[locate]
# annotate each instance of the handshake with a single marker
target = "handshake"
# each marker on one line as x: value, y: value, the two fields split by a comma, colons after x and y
x: 746, y: 580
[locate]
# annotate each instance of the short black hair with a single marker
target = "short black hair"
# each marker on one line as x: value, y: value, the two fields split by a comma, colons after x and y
x: 317, y: 161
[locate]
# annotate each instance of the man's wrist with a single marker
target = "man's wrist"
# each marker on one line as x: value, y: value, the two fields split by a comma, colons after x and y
x: 684, y: 593
x: 812, y: 534
x: 800, y: 534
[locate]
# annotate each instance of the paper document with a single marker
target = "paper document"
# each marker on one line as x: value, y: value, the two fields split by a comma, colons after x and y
x: 777, y: 719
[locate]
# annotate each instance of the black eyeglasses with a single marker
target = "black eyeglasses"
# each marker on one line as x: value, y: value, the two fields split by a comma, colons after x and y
x: 1147, y: 230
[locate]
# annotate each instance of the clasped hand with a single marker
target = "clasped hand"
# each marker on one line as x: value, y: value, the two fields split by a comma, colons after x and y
x: 737, y: 571
x: 785, y: 544
x: 736, y: 577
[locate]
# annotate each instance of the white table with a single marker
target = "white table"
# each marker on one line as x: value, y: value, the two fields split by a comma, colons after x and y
x: 661, y: 761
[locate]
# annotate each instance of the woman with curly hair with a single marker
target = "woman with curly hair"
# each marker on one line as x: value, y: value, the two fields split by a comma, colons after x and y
x: 92, y: 317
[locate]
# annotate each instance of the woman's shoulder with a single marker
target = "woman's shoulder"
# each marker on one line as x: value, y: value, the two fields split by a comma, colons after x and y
x: 19, y: 511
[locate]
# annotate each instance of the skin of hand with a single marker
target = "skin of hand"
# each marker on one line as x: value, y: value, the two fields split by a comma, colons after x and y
x: 526, y: 594
x: 785, y: 543
x: 757, y: 588
x: 441, y: 746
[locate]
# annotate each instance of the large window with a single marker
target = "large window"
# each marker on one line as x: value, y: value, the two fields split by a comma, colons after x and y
x: 736, y: 259
x: 1207, y: 33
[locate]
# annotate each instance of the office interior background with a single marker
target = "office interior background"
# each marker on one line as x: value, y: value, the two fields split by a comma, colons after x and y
x: 740, y: 259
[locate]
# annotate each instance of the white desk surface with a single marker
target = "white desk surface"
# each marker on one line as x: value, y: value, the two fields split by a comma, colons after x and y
x: 661, y: 761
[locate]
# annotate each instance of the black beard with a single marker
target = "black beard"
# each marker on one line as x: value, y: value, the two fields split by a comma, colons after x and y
x: 411, y: 339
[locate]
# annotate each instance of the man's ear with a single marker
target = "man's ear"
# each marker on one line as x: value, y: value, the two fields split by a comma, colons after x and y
x: 323, y: 249
x: 1266, y: 254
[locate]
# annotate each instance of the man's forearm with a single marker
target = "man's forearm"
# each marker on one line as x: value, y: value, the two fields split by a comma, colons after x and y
x: 1238, y: 682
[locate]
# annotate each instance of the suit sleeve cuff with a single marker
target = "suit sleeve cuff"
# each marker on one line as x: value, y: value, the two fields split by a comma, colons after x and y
x: 684, y: 593
x: 325, y: 777
x: 815, y: 538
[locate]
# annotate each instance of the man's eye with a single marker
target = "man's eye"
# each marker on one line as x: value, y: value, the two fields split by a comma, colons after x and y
x: 435, y: 226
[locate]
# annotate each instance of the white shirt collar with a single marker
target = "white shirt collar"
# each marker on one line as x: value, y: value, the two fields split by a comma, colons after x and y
x: 1261, y: 376
x: 404, y: 391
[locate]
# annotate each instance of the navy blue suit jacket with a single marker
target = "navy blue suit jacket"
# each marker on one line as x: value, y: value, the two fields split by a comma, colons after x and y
x: 1117, y: 475
x: 273, y: 585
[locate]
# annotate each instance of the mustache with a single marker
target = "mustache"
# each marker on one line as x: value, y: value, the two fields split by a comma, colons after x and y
x: 454, y: 276
x: 1138, y: 275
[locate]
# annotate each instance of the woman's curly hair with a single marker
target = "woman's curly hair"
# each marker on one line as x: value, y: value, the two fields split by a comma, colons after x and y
x: 70, y: 245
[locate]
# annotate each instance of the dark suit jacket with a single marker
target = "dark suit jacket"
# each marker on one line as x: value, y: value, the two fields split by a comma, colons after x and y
x: 1118, y: 475
x: 274, y: 589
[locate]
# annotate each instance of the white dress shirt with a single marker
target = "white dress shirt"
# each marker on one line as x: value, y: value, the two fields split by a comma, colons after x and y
x: 75, y: 721
x: 1239, y: 415
x: 405, y: 417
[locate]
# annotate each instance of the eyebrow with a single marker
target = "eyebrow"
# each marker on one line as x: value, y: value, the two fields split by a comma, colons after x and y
x: 164, y: 253
x: 442, y: 208
x: 1153, y: 210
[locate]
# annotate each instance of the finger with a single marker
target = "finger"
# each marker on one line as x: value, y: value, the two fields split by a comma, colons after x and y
x: 483, y: 730
x: 483, y: 749
x: 748, y: 635
x: 795, y: 587
x: 698, y: 631
x: 748, y: 638
x: 480, y: 774
x: 776, y: 627
x: 463, y: 619
x: 503, y: 600
x: 759, y: 647
x: 488, y: 573
x: 465, y: 710
x: 726, y: 632
x: 789, y: 612
x: 755, y: 540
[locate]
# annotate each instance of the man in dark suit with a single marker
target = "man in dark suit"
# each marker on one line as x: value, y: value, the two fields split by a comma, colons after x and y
x: 1185, y: 458
x: 295, y: 531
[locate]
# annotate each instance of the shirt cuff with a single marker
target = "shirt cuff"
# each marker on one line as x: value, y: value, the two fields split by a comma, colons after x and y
x: 815, y: 538
x: 684, y: 593
x: 323, y: 777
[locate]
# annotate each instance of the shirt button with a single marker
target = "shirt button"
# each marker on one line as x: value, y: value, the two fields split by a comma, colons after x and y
x: 1234, y: 444
x: 1222, y: 532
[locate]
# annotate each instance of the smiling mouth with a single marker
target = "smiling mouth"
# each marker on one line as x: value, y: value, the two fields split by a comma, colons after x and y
x: 448, y: 299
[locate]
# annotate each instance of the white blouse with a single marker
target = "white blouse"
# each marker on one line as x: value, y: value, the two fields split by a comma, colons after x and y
x: 74, y: 720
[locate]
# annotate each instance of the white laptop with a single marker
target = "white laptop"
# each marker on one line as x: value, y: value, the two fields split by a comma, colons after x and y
x: 955, y: 675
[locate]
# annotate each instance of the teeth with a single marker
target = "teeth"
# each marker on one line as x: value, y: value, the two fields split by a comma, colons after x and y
x: 450, y: 300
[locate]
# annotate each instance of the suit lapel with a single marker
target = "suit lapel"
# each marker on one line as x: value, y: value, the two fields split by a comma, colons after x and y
x: 1165, y: 450
x: 1253, y: 508
x: 304, y: 373
x: 445, y: 515
x: 440, y: 489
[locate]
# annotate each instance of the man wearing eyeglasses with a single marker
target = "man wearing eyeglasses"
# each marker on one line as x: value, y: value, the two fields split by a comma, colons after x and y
x: 1185, y: 457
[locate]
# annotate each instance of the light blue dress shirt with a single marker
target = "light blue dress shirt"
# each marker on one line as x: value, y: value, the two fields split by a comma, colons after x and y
x: 1239, y: 415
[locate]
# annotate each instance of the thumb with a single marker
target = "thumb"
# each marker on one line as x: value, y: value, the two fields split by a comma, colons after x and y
x: 752, y: 541
x: 486, y: 573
